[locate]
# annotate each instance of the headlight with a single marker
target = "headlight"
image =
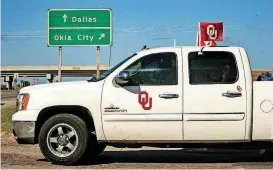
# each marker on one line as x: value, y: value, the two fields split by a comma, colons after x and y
x: 22, y: 101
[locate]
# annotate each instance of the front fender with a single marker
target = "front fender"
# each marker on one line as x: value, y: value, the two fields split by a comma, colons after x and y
x: 84, y: 94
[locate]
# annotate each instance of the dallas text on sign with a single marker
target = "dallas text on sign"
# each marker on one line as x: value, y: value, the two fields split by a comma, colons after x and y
x: 84, y: 19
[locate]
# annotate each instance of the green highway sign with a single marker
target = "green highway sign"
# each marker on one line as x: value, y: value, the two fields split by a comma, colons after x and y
x: 79, y: 27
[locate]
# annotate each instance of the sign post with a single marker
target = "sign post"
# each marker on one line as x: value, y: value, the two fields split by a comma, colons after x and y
x: 79, y: 27
x: 60, y: 65
x: 98, y: 61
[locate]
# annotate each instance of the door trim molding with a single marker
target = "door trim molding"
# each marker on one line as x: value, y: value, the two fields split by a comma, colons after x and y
x: 143, y: 114
x: 143, y: 117
x: 233, y: 116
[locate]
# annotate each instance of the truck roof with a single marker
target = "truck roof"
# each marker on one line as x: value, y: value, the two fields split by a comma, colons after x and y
x: 169, y: 47
x: 193, y: 48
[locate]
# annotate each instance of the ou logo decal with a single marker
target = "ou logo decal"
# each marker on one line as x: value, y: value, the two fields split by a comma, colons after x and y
x: 212, y: 33
x: 143, y: 101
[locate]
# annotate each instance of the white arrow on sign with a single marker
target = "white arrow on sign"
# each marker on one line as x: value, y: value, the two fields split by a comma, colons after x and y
x: 102, y: 36
x: 64, y: 17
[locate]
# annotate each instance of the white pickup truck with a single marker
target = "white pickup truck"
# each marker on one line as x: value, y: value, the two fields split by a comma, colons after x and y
x: 163, y: 97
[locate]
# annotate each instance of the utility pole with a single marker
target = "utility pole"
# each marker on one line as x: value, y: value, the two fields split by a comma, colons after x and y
x: 60, y: 65
x: 98, y: 61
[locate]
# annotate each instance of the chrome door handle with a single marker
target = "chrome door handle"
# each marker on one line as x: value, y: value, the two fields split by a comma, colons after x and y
x: 168, y: 95
x: 232, y: 94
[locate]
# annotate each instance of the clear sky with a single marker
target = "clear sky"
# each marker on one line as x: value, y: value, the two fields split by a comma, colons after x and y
x: 247, y: 23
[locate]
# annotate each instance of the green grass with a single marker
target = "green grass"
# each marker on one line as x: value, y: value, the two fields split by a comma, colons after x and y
x: 6, y: 114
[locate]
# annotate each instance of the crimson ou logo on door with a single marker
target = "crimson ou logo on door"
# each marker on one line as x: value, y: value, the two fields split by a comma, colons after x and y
x: 144, y: 100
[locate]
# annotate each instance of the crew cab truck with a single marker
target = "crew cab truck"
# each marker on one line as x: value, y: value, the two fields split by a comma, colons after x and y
x: 164, y: 97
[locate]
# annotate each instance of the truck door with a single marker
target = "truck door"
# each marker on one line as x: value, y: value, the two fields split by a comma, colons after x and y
x: 214, y: 94
x: 149, y: 107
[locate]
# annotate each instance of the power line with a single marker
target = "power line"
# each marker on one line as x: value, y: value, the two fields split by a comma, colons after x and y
x: 23, y: 36
x: 143, y: 31
x: 227, y: 24
x: 170, y: 31
x: 162, y: 28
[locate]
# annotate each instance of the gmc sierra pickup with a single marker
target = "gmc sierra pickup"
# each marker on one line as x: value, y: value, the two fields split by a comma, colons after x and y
x: 164, y: 97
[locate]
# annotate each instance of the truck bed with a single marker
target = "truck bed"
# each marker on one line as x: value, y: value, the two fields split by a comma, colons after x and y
x: 262, y: 110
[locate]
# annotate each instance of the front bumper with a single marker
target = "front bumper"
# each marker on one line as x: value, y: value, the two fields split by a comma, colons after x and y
x: 24, y: 126
x: 24, y: 132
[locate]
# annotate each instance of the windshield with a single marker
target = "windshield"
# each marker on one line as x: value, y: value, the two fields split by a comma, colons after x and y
x: 105, y: 74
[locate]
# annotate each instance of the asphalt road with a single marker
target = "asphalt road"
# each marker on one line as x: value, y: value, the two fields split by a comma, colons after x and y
x: 29, y: 156
x: 8, y: 95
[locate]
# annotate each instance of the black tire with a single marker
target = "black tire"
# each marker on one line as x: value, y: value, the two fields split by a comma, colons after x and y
x: 80, y: 128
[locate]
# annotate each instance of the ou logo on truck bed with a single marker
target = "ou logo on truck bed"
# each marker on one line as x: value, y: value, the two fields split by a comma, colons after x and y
x: 143, y: 101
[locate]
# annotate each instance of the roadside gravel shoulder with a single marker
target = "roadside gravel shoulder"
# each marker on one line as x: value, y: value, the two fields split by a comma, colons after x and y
x: 15, y: 156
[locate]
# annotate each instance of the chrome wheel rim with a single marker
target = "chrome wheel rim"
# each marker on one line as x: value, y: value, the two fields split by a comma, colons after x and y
x: 62, y: 140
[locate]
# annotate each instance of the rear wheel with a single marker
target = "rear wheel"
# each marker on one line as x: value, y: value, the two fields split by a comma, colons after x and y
x: 64, y: 139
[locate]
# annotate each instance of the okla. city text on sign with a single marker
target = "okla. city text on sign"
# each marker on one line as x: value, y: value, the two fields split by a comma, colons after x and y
x: 80, y: 37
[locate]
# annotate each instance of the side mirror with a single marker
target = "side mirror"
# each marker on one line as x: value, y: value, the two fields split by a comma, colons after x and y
x: 122, y: 77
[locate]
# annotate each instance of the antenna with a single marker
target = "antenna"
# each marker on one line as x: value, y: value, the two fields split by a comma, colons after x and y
x: 144, y: 48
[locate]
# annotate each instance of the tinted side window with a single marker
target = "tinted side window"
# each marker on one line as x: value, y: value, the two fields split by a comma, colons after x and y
x: 212, y: 68
x: 154, y: 69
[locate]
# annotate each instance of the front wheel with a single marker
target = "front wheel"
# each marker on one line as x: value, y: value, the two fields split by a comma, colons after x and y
x: 63, y: 139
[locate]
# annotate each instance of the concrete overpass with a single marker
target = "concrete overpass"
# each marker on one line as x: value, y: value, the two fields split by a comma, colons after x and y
x: 41, y: 71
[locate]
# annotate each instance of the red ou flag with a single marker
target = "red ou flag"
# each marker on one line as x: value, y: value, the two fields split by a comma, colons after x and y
x: 209, y: 32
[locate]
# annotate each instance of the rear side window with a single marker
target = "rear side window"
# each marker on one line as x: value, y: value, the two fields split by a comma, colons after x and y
x: 217, y: 67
